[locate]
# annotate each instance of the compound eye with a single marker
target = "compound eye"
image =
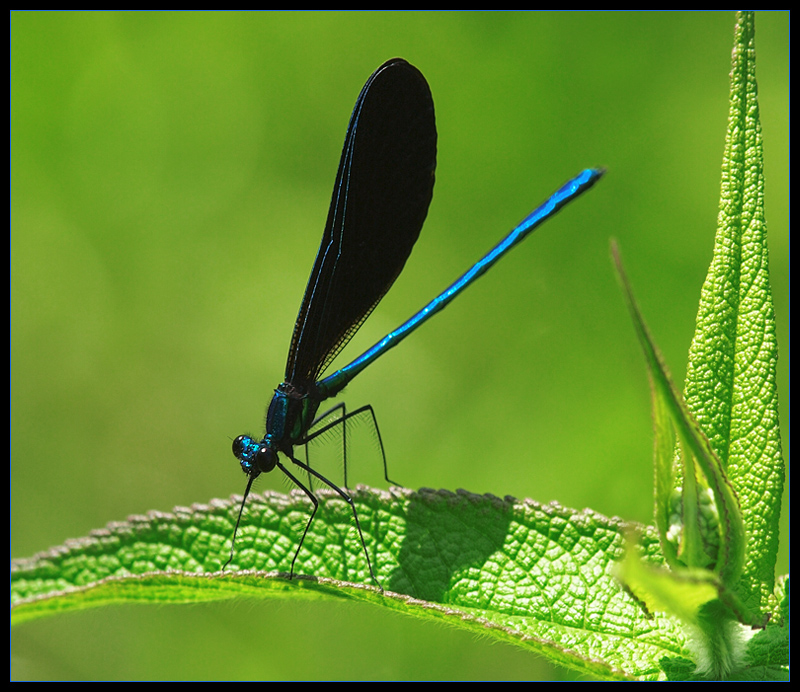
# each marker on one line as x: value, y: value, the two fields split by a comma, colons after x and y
x: 266, y: 459
x: 240, y: 446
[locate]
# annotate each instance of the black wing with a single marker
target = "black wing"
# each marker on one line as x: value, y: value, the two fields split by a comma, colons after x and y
x: 380, y: 199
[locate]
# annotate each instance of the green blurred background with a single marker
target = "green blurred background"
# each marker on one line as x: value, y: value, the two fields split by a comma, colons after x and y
x: 170, y: 177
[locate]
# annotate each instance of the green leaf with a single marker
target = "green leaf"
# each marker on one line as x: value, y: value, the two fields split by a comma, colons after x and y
x: 724, y: 438
x: 705, y: 600
x: 670, y: 410
x: 682, y: 593
x: 535, y: 575
x: 731, y: 379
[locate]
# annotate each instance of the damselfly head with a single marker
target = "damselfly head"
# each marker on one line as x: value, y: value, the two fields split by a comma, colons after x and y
x: 254, y: 457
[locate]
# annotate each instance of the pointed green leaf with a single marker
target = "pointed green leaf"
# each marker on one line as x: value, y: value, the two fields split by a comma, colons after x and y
x: 731, y: 379
x: 727, y: 435
x: 667, y: 402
